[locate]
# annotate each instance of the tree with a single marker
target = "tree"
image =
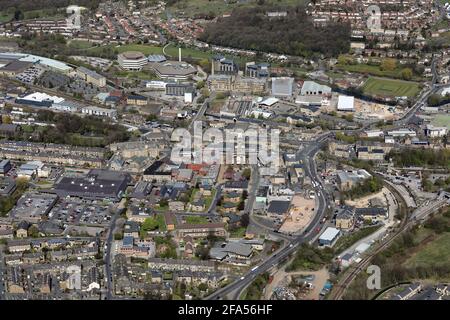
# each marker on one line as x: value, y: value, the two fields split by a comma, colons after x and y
x: 245, y: 220
x: 247, y: 173
x: 407, y: 73
x: 6, y: 119
x: 388, y: 64
x: 33, y: 231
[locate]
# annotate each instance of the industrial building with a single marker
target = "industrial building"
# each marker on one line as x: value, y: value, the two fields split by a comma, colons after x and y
x: 97, y: 184
x: 282, y: 87
x: 91, y: 77
x: 346, y: 103
x: 329, y: 237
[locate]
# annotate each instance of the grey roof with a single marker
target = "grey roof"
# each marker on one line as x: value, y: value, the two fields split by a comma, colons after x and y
x: 278, y: 206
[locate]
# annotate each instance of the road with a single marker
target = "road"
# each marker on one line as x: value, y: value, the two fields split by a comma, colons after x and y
x: 2, y: 275
x: 307, y: 154
x: 108, y: 257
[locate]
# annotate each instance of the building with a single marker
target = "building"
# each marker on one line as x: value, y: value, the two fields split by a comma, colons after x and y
x: 220, y: 82
x: 97, y: 184
x: 402, y: 133
x: 435, y: 132
x: 249, y: 85
x: 257, y: 70
x: 348, y: 179
x: 346, y: 103
x: 91, y: 77
x: 201, y: 230
x: 329, y: 237
x: 173, y: 70
x: 156, y: 85
x: 180, y: 264
x: 5, y: 166
x: 278, y: 208
x: 132, y: 60
x: 372, y: 214
x: 345, y: 218
x: 222, y: 65
x: 138, y: 100
x: 101, y: 112
x: 232, y: 250
x: 32, y: 206
x: 7, y: 186
x: 179, y: 89
x: 311, y: 88
x: 39, y: 99
x: 14, y: 67
x: 282, y: 87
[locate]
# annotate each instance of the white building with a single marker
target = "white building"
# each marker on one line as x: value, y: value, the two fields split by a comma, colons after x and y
x: 329, y: 236
x: 346, y: 103
x: 156, y: 85
x: 435, y: 132
x: 374, y: 133
x: 132, y: 60
x: 102, y: 112
x: 402, y: 133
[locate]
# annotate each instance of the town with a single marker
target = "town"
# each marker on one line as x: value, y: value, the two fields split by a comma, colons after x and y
x: 94, y: 205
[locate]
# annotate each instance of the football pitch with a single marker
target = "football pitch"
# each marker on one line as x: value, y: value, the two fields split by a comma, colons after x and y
x: 390, y: 88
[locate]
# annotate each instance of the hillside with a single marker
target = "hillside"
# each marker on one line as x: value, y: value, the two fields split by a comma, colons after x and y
x: 293, y: 34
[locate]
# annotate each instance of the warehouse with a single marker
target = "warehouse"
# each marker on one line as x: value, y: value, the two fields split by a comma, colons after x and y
x: 97, y: 184
x: 329, y: 237
x: 282, y: 87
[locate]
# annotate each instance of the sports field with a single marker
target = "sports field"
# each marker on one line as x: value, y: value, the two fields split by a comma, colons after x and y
x: 390, y: 88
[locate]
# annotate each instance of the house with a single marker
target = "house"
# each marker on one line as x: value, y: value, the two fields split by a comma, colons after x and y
x: 175, y: 205
x: 18, y: 245
x: 131, y: 229
x: 201, y: 230
x: 345, y: 218
x: 229, y: 207
x: 409, y: 292
x: 6, y: 234
x: 169, y: 219
x: 138, y: 214
x: 198, y: 206
x: 373, y: 214
x: 22, y: 229
x: 236, y: 186
x: 233, y: 197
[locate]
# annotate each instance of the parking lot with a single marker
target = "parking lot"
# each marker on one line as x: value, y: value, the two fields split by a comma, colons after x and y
x: 83, y: 212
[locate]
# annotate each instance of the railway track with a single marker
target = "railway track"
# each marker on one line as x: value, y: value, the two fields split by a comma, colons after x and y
x: 407, y: 221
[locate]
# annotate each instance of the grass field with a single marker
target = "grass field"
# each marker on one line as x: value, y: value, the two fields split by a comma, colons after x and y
x: 442, y: 120
x: 434, y: 253
x: 390, y: 87
x: 80, y: 44
x: 5, y: 17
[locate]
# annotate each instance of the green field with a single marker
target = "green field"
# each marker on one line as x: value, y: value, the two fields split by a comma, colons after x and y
x: 442, y: 120
x: 196, y: 220
x: 390, y: 88
x: 80, y: 44
x: 433, y: 253
x: 150, y: 49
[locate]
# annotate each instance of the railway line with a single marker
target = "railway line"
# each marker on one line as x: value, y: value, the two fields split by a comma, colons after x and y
x: 408, y: 220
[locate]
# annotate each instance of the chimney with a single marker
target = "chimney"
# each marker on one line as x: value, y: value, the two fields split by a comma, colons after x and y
x: 179, y: 54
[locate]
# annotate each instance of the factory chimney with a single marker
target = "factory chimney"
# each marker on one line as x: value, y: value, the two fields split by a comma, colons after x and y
x: 179, y: 54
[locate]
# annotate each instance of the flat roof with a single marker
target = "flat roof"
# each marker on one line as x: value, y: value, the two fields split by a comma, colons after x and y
x: 346, y: 103
x: 329, y: 234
